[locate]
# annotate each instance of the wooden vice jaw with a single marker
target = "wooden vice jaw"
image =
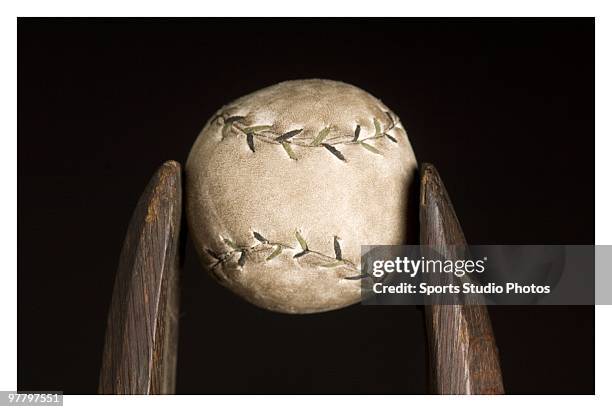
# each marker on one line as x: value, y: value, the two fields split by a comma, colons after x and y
x: 463, y: 354
x: 141, y: 340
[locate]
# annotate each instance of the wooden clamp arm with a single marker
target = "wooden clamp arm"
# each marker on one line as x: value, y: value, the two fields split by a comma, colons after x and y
x: 463, y: 354
x: 142, y: 332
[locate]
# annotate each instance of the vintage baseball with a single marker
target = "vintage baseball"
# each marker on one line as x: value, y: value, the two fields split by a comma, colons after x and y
x: 284, y: 186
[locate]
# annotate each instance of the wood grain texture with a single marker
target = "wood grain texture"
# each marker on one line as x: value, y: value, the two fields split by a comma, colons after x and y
x: 142, y: 332
x: 463, y: 354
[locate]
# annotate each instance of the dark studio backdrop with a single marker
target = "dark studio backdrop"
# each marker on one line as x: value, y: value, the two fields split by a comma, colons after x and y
x: 503, y: 108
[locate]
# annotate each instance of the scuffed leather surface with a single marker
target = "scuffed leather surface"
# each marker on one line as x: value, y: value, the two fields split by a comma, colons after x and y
x: 233, y: 192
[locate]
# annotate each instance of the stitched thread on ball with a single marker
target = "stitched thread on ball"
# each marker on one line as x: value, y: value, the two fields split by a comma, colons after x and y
x: 241, y: 252
x: 265, y: 134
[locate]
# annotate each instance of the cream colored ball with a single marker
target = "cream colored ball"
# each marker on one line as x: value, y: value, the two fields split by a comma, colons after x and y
x: 284, y: 186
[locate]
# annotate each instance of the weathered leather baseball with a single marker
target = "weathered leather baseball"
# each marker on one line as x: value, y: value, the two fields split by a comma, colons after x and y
x: 284, y: 185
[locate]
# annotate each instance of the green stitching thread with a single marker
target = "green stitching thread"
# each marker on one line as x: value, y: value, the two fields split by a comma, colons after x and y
x: 276, y: 248
x: 233, y: 125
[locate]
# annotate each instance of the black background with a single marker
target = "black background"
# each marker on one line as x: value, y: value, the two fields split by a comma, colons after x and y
x: 503, y: 108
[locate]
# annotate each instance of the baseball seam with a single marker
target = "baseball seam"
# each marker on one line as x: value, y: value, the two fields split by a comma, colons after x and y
x: 233, y: 124
x: 276, y: 248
